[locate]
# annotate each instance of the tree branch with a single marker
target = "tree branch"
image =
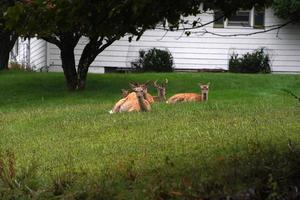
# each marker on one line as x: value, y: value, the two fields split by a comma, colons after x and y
x: 203, y: 32
x: 194, y: 27
x: 52, y: 40
x: 107, y: 44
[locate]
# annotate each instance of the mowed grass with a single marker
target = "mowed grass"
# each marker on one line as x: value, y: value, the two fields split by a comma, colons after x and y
x: 40, y: 120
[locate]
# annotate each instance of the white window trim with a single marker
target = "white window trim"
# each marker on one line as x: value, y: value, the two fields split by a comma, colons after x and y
x: 243, y: 27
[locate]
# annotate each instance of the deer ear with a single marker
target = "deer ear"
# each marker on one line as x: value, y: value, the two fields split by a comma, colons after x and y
x: 166, y: 81
x: 155, y: 83
x: 147, y: 83
x: 133, y: 85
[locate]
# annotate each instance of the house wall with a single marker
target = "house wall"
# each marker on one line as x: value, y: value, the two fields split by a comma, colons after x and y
x: 203, y: 50
x: 30, y: 53
x: 38, y: 53
x: 19, y: 52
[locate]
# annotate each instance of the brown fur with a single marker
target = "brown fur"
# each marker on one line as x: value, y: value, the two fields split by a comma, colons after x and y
x: 190, y: 97
x: 161, y: 91
x: 134, y: 101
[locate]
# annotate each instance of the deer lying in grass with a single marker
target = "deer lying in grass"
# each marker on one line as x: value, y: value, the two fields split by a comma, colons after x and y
x: 161, y: 91
x: 125, y: 93
x: 148, y: 96
x: 134, y: 101
x: 191, y: 97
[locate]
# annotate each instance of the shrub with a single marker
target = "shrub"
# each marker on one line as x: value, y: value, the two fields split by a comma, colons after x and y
x: 21, y: 67
x: 256, y: 62
x: 16, y: 66
x: 154, y: 60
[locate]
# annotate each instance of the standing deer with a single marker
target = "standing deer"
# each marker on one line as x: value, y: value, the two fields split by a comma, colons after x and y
x: 161, y: 91
x: 135, y: 101
x: 191, y: 97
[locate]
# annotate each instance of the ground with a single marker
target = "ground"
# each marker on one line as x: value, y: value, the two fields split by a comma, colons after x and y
x: 241, y: 138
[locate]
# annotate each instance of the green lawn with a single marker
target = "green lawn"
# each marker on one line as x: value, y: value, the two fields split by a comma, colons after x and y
x: 238, y: 139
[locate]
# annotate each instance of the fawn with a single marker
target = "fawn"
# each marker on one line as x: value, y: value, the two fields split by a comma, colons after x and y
x: 134, y: 101
x: 161, y: 91
x: 191, y: 97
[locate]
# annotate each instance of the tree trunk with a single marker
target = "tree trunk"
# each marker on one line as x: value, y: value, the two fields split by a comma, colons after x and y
x: 66, y: 42
x: 68, y: 65
x: 89, y: 54
x: 4, y: 57
x: 86, y: 60
x: 7, y: 41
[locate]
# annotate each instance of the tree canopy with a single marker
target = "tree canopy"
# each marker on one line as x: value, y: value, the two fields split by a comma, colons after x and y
x: 7, y: 36
x: 64, y: 22
x: 287, y: 9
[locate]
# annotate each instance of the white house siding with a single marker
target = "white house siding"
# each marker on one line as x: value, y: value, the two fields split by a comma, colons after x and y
x: 30, y: 53
x: 38, y: 53
x: 203, y: 51
x: 20, y: 52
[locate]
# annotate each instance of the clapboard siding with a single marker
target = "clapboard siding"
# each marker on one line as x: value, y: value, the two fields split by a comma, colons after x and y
x: 38, y: 53
x: 203, y: 51
x: 19, y: 52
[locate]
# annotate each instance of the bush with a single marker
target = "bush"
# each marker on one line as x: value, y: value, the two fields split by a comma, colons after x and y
x: 19, y: 67
x: 16, y: 66
x: 256, y: 62
x: 154, y: 60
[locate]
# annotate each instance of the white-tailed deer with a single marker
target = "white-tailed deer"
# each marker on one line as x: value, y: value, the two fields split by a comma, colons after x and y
x: 191, y: 97
x: 161, y: 91
x: 135, y: 101
x: 148, y: 96
x: 125, y: 93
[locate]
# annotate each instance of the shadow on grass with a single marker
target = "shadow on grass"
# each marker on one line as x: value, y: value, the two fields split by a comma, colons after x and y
x: 259, y: 172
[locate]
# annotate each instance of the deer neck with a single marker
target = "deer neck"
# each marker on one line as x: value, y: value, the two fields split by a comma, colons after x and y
x: 204, y: 96
x: 141, y: 101
x: 160, y: 95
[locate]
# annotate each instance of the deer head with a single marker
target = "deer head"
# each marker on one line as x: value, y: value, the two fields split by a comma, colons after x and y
x: 161, y: 89
x: 204, y: 90
x: 140, y: 89
x: 125, y: 93
x: 136, y: 85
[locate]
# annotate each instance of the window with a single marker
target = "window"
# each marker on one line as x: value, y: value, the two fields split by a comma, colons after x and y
x: 218, y: 19
x: 240, y: 18
x: 259, y: 18
x: 244, y: 18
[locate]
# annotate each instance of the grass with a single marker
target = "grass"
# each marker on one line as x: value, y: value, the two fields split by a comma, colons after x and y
x: 239, y: 139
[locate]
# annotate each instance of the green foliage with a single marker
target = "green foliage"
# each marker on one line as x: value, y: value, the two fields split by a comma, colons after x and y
x: 8, y: 35
x: 256, y: 62
x: 287, y: 9
x: 155, y: 60
x: 103, y: 22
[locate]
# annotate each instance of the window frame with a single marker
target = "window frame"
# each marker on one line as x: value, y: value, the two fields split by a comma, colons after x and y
x: 252, y: 24
x: 233, y: 23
